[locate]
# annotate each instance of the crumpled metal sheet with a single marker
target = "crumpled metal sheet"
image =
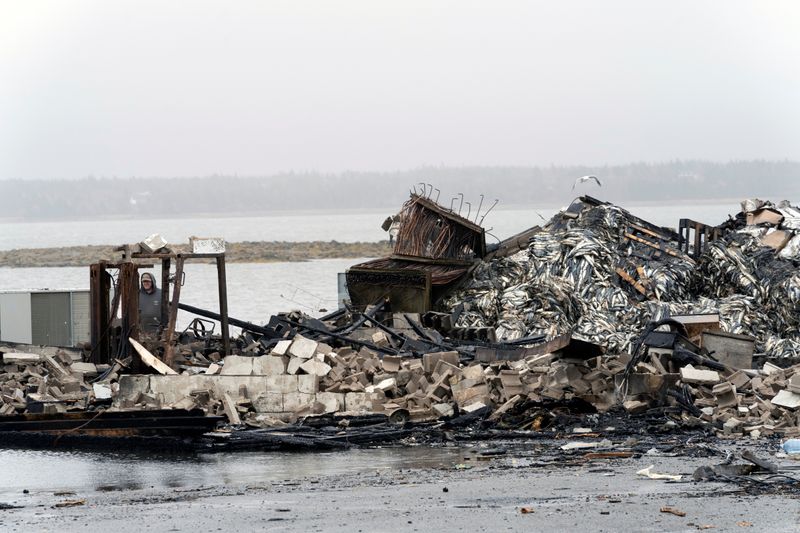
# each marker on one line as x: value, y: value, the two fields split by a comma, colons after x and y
x: 566, y: 281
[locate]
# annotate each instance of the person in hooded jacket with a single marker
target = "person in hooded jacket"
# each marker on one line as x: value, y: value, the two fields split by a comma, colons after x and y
x: 149, y: 304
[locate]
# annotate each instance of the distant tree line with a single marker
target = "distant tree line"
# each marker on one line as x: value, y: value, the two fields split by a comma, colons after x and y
x: 668, y: 182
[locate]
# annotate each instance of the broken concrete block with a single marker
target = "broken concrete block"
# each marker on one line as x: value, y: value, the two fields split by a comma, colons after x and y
x: 690, y: 374
x: 87, y: 369
x: 153, y: 242
x: 443, y: 367
x: 307, y: 383
x: 635, y: 406
x: 230, y: 410
x: 69, y: 385
x: 302, y: 347
x: 282, y: 383
x: 738, y: 379
x: 296, y: 401
x: 357, y: 402
x: 315, y: 367
x: 725, y: 394
x: 785, y: 398
x: 101, y: 391
x: 732, y: 425
x: 379, y: 338
x: 386, y: 384
x: 474, y: 372
x: 415, y: 366
x: 463, y: 397
x: 443, y: 410
x: 19, y: 358
x: 281, y: 348
x: 269, y: 365
x: 212, y: 369
x: 268, y: 402
x: 55, y: 367
x: 793, y: 385
x: 237, y: 365
x: 429, y: 360
x: 391, y: 363
x: 294, y: 365
x: 332, y: 402
x: 474, y: 406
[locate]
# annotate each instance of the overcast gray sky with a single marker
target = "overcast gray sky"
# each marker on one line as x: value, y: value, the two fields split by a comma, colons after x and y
x: 254, y: 87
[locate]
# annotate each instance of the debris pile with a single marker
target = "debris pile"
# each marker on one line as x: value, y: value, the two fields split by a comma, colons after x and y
x: 303, y: 377
x: 599, y: 309
x: 600, y: 273
x: 666, y: 368
x: 51, y: 381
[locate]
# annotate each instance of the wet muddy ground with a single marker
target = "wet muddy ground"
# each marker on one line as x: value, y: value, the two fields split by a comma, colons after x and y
x: 511, y: 486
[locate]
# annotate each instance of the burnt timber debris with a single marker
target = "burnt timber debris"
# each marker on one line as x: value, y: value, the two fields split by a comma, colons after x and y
x: 597, y: 311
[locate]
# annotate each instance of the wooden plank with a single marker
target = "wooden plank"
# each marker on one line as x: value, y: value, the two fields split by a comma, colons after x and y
x: 151, y: 360
x: 650, y: 232
x: 643, y: 279
x: 656, y: 246
x: 635, y: 284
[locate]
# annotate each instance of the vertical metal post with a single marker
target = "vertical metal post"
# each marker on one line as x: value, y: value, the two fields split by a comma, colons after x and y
x: 129, y: 287
x: 169, y: 352
x: 698, y: 240
x: 222, y: 285
x: 99, y: 287
x: 165, y: 266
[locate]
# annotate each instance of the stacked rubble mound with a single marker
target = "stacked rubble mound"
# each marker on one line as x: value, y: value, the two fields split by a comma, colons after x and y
x: 601, y: 273
x: 52, y: 381
x: 303, y: 377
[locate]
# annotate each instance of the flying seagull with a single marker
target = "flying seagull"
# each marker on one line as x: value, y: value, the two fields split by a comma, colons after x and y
x: 584, y: 179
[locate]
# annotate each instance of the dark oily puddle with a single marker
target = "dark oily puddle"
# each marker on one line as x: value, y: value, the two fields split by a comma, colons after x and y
x: 40, y: 472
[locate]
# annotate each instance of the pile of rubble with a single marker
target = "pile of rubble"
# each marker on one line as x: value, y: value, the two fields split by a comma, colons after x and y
x: 578, y: 316
x: 600, y: 273
x: 53, y: 380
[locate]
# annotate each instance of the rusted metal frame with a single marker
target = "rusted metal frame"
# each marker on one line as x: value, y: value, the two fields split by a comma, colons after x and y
x: 222, y: 286
x: 166, y: 264
x: 169, y: 350
x: 430, y: 260
x: 129, y: 302
x: 99, y: 287
x: 416, y: 208
x: 446, y: 213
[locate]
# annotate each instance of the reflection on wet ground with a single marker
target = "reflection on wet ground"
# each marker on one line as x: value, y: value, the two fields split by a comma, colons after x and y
x: 83, y: 472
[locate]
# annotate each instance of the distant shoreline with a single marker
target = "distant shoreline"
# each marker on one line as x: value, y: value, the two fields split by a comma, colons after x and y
x: 236, y: 252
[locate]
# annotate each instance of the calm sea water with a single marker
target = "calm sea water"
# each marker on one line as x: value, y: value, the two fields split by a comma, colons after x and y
x: 256, y: 291
x: 85, y: 473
